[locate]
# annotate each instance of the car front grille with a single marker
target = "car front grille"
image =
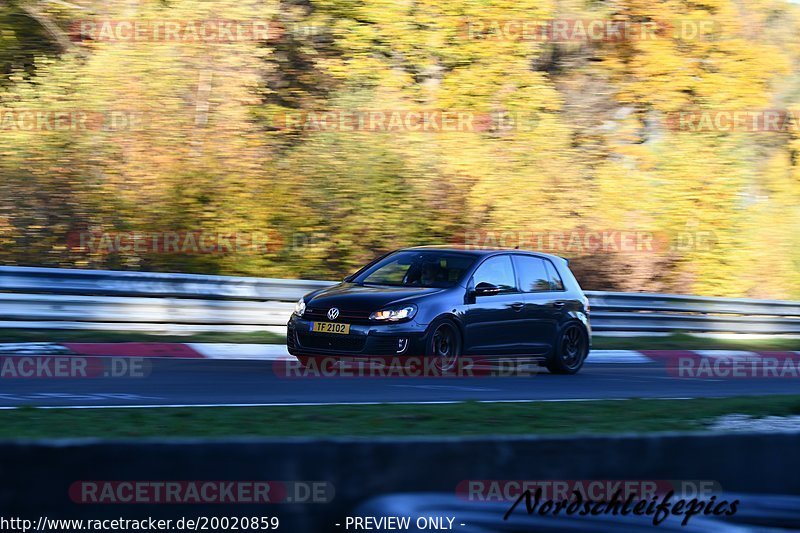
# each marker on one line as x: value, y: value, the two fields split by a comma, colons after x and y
x: 345, y: 317
x: 334, y: 343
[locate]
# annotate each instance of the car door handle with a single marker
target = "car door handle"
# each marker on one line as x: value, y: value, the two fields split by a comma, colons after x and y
x: 559, y: 304
x: 517, y: 306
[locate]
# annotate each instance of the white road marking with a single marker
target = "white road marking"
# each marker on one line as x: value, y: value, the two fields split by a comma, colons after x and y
x: 325, y: 404
x: 727, y: 354
x: 278, y: 352
x: 76, y: 396
x: 32, y: 348
x: 617, y: 356
x: 739, y: 422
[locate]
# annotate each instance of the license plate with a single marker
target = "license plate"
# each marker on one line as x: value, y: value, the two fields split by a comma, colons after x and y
x: 330, y: 327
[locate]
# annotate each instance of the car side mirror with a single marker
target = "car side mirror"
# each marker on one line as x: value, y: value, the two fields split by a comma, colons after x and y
x: 486, y: 289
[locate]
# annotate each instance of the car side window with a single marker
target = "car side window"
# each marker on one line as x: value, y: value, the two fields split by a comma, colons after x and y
x: 498, y: 271
x: 533, y: 274
x: 555, y: 279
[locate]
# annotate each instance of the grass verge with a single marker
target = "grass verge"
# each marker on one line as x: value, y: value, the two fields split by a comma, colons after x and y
x: 463, y: 419
x: 685, y: 341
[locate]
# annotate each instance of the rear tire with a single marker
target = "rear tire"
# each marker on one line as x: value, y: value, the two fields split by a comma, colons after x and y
x: 570, y: 350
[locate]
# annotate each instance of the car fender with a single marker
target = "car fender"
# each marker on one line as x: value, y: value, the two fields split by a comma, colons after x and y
x: 578, y: 316
x: 446, y: 316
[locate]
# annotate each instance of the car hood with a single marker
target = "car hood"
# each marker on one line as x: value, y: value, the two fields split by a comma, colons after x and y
x: 352, y: 297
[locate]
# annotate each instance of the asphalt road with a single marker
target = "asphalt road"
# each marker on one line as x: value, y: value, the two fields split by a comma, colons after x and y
x: 222, y: 382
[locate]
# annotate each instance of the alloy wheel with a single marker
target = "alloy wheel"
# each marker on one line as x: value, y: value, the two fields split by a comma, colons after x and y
x: 573, y: 347
x: 445, y: 346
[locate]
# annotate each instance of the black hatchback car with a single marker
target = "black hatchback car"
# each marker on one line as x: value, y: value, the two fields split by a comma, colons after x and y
x: 449, y: 302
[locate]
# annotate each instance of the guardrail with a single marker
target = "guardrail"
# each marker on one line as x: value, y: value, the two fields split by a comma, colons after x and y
x: 52, y: 298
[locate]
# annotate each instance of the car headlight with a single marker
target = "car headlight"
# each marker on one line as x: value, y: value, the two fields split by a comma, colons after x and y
x: 393, y: 315
x: 300, y: 307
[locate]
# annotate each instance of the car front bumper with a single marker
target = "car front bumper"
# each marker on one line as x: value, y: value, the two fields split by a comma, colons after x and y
x: 365, y: 341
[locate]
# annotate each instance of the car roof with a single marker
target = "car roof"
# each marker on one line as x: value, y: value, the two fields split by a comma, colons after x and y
x: 480, y: 250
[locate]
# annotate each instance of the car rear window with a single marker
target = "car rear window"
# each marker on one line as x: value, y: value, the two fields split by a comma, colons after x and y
x: 537, y: 274
x: 532, y: 273
x: 556, y: 284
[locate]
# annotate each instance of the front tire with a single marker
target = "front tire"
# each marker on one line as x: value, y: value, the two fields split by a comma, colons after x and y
x: 444, y: 346
x: 570, y: 350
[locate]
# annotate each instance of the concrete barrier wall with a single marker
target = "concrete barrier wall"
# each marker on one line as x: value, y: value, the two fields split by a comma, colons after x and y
x: 36, y: 476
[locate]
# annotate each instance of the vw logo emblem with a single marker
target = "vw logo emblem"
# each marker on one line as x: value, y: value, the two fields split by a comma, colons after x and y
x: 333, y: 313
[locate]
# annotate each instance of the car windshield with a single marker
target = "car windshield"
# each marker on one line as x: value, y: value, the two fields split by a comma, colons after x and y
x: 418, y: 269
